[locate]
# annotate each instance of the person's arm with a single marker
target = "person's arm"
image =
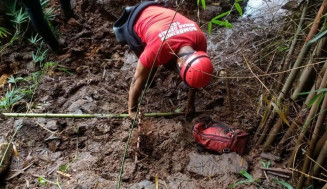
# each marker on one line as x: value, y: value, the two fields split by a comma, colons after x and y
x: 137, y: 85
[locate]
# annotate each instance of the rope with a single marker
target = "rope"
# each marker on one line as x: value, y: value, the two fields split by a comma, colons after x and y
x: 141, y: 99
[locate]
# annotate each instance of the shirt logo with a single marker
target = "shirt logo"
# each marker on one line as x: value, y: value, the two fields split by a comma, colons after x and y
x: 177, y: 28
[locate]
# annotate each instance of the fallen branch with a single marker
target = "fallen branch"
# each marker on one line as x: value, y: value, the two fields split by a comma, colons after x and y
x: 277, y: 170
x: 278, y: 174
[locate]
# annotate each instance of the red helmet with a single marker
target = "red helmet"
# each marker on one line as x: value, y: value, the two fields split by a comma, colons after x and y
x: 197, y: 70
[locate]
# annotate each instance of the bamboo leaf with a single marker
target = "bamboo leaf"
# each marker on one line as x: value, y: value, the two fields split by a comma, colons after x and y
x: 203, y: 2
x: 221, y: 23
x: 42, y: 181
x: 209, y: 27
x: 288, y: 186
x: 315, y: 91
x: 198, y: 2
x: 238, y: 8
x: 221, y: 15
x: 247, y: 175
x: 266, y: 99
x: 265, y: 115
x: 280, y: 113
x: 237, y: 1
x: 318, y: 97
x: 317, y: 37
x: 229, y: 25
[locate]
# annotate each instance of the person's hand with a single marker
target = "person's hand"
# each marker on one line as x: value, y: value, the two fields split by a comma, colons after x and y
x: 132, y: 114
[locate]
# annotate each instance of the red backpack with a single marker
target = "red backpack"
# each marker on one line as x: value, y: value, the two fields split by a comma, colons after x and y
x: 219, y: 137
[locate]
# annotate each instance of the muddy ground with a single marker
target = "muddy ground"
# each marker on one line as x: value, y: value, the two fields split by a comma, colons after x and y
x: 100, y: 71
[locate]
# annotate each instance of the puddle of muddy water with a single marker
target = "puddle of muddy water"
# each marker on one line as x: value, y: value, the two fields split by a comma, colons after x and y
x: 265, y: 8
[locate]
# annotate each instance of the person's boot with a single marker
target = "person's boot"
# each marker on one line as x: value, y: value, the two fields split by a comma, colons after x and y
x: 66, y: 9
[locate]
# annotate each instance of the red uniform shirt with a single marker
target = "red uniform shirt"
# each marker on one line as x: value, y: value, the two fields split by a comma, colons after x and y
x: 152, y: 26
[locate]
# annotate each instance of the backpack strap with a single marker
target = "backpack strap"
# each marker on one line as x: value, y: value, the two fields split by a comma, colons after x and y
x: 124, y: 27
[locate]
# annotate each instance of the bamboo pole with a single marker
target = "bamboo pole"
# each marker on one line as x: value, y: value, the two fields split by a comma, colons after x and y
x: 307, y: 72
x: 302, y: 81
x: 299, y: 118
x: 313, y: 140
x: 259, y: 134
x: 306, y: 47
x: 308, y: 121
x: 287, y: 86
x: 320, y: 160
x: 292, y: 46
x: 320, y: 144
x: 266, y: 128
x: 57, y: 115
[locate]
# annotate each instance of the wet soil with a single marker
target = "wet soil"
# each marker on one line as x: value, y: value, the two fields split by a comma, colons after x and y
x: 100, y: 71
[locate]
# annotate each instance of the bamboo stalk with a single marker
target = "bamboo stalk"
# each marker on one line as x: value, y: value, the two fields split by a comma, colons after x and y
x: 57, y: 115
x: 307, y: 72
x: 320, y: 144
x: 320, y: 160
x: 305, y: 48
x: 287, y: 85
x: 266, y: 128
x: 313, y: 140
x: 299, y: 118
x: 263, y: 121
x: 292, y: 46
x: 308, y: 121
x: 301, y: 83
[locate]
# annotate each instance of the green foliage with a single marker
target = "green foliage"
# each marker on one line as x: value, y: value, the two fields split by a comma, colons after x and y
x: 48, y: 14
x: 217, y: 20
x: 266, y: 164
x: 26, y: 90
x: 285, y: 184
x: 19, y: 17
x: 43, y: 182
x: 34, y: 40
x: 317, y: 37
x: 11, y: 97
x: 63, y: 168
x: 282, y: 48
x: 321, y: 93
x: 238, y: 7
x: 40, y: 55
x: 203, y: 3
x: 48, y: 66
x: 249, y: 179
x: 47, y: 11
x: 280, y: 112
x: 3, y: 32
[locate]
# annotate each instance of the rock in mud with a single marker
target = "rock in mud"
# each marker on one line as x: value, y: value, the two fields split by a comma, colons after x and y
x: 6, y: 160
x: 215, y: 165
x: 142, y: 184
